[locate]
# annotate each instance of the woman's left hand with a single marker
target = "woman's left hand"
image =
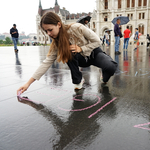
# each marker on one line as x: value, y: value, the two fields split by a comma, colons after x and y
x: 75, y: 48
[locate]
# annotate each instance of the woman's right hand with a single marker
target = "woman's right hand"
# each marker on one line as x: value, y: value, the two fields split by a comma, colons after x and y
x: 23, y: 88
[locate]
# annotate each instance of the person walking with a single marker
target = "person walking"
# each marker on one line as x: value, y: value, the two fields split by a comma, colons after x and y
x: 75, y: 45
x: 117, y: 36
x: 136, y: 38
x: 127, y: 35
x: 86, y: 22
x: 14, y: 34
x: 107, y: 38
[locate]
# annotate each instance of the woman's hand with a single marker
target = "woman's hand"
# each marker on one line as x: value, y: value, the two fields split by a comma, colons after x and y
x: 23, y: 88
x: 75, y: 48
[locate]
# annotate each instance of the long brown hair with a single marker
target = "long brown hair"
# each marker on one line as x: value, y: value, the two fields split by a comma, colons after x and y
x: 62, y: 41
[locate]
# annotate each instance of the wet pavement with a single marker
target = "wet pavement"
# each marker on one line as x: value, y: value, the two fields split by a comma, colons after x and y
x: 55, y: 117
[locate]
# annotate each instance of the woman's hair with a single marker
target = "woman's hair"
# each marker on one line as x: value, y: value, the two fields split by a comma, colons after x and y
x: 62, y: 41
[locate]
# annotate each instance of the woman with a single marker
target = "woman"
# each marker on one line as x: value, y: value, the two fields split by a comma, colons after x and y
x: 75, y: 45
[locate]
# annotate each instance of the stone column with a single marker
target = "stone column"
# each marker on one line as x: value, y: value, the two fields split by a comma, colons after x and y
x: 147, y: 18
x: 142, y: 3
x: 112, y: 25
x: 135, y: 14
x: 98, y: 17
x: 130, y: 3
x: 124, y: 12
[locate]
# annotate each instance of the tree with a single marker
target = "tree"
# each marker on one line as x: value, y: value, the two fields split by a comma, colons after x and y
x: 8, y: 40
x: 1, y: 42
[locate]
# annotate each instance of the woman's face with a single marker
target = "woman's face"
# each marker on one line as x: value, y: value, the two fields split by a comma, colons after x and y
x: 52, y: 30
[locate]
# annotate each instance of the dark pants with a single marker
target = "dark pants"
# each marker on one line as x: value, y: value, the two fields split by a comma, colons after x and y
x: 97, y: 58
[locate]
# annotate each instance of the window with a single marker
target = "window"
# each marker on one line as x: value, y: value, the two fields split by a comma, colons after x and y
x: 133, y: 3
x: 141, y: 29
x: 130, y: 28
x: 128, y: 3
x: 144, y: 2
x: 93, y: 24
x: 131, y: 16
x: 119, y: 3
x: 105, y: 19
x: 106, y: 4
x: 143, y: 15
x: 140, y: 3
x: 139, y: 15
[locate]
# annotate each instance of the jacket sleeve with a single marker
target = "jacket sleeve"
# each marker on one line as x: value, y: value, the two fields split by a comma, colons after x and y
x: 10, y: 31
x: 94, y: 40
x: 45, y: 66
x: 17, y: 33
x: 116, y: 29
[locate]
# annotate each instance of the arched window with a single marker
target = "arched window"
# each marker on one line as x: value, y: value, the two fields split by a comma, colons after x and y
x: 119, y: 3
x: 128, y: 3
x: 93, y: 24
x: 130, y: 28
x: 39, y: 38
x: 106, y: 4
x: 141, y: 29
x: 133, y: 3
x: 140, y: 3
x: 144, y: 2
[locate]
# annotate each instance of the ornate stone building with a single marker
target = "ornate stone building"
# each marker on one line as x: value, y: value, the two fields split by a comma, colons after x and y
x: 138, y: 12
x: 65, y: 16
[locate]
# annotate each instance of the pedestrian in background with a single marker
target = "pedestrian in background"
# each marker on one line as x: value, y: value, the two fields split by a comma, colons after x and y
x: 117, y: 36
x: 14, y: 34
x: 136, y: 38
x: 127, y: 35
x: 107, y: 38
x: 86, y: 22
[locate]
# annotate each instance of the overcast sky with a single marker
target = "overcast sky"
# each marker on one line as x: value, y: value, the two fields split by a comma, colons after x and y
x: 23, y: 12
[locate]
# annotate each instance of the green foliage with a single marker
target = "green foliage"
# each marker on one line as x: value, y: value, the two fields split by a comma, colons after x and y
x: 8, y: 40
x: 1, y: 42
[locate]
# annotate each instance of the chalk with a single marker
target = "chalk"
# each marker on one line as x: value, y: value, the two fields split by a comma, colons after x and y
x: 82, y: 109
x: 102, y: 108
x: 141, y: 126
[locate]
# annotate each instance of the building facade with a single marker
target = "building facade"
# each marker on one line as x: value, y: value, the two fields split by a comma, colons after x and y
x: 138, y: 12
x: 64, y: 14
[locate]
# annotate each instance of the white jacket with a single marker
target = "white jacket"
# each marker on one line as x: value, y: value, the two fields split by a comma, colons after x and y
x: 79, y: 35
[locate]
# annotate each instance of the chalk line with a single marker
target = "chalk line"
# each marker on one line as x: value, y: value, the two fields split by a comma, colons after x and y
x: 102, y: 107
x: 141, y: 126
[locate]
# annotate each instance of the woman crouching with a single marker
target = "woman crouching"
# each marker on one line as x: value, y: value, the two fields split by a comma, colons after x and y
x: 75, y: 45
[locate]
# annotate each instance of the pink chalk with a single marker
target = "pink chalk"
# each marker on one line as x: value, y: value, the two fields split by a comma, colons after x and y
x: 80, y: 100
x: 101, y: 108
x: 141, y: 126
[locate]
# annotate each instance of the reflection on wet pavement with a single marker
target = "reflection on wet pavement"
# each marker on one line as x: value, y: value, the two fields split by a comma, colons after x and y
x: 57, y: 117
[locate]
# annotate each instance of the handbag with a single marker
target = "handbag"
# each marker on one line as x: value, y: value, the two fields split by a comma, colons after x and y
x: 121, y: 35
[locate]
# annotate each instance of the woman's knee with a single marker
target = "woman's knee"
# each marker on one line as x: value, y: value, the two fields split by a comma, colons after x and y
x: 111, y: 67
